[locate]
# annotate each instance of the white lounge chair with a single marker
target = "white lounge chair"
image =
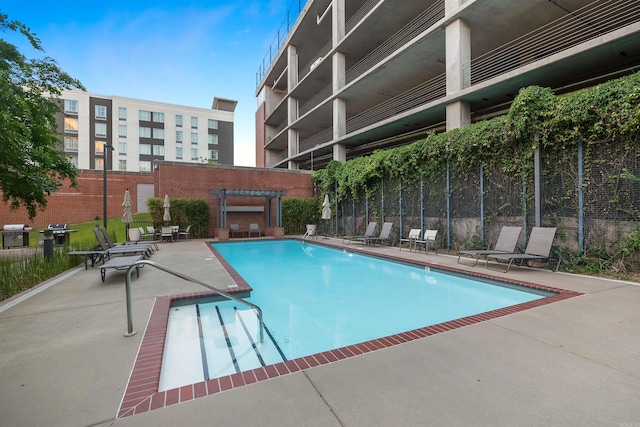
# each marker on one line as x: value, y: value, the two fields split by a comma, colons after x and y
x: 312, y: 231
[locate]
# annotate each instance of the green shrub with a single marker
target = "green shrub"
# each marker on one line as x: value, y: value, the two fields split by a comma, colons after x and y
x: 297, y: 213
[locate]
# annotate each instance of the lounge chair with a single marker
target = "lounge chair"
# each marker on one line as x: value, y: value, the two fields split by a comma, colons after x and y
x: 234, y: 229
x: 538, y: 249
x: 506, y: 244
x: 414, y: 234
x: 371, y: 228
x: 383, y: 237
x: 185, y: 233
x: 429, y: 238
x: 144, y: 250
x: 254, y: 228
x: 312, y: 231
x: 112, y: 244
x: 121, y: 263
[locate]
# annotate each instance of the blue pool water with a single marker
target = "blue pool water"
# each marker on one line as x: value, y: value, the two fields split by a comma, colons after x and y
x: 316, y: 298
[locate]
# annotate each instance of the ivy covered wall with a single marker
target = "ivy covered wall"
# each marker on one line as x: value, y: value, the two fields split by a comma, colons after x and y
x: 589, y: 144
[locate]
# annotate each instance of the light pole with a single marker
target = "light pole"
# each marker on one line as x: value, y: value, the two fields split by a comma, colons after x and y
x: 107, y: 148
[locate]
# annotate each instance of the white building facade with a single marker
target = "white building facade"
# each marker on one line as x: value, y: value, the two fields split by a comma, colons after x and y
x: 136, y: 132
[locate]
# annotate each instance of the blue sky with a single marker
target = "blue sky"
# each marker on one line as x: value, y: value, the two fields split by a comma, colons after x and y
x: 179, y: 52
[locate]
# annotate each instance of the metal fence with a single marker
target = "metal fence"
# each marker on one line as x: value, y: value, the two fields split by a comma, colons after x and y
x: 590, y: 192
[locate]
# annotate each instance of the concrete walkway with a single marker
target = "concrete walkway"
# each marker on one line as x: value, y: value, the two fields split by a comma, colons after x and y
x: 65, y: 362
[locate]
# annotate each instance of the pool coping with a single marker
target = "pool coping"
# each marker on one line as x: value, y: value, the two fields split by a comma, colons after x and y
x: 142, y: 395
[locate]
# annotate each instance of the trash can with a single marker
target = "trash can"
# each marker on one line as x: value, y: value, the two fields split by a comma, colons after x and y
x: 48, y: 244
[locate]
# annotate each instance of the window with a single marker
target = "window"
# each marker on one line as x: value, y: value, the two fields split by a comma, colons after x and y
x: 145, y: 166
x: 194, y: 154
x: 70, y: 106
x: 213, y: 154
x: 194, y: 123
x: 179, y: 136
x: 179, y: 120
x: 122, y: 113
x: 74, y: 160
x: 70, y: 125
x: 101, y: 112
x: 178, y: 153
x: 213, y: 138
x: 145, y: 116
x: 122, y: 131
x: 101, y: 129
x: 145, y: 132
x: 158, y: 150
x: 99, y: 164
x: 194, y: 138
x: 122, y: 147
x: 145, y: 149
x: 122, y: 165
x: 158, y: 117
x: 212, y: 124
x: 71, y: 143
x: 99, y: 146
x: 158, y: 133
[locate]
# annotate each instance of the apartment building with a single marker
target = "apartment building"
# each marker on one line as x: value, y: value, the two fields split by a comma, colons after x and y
x: 138, y: 132
x: 345, y: 77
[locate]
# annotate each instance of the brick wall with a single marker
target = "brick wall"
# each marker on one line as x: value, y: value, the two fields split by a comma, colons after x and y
x: 184, y: 180
x: 179, y: 180
x: 84, y: 203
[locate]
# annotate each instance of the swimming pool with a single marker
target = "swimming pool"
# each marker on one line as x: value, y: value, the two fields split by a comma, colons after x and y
x: 314, y: 299
x: 143, y: 394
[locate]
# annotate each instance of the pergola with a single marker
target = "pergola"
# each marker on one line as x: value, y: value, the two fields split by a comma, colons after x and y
x: 222, y: 193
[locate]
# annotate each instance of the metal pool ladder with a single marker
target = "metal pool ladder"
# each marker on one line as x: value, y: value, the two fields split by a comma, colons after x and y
x: 131, y: 332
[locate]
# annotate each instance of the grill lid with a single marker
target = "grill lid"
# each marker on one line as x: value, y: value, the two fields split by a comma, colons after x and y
x: 57, y: 226
x: 14, y: 227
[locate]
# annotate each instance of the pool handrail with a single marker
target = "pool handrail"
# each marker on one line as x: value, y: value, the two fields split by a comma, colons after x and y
x: 131, y: 332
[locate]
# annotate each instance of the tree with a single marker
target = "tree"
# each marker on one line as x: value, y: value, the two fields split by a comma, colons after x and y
x: 31, y: 166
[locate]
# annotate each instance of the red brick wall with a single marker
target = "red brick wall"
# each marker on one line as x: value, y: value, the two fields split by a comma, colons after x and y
x: 84, y: 203
x: 179, y: 180
x: 185, y: 180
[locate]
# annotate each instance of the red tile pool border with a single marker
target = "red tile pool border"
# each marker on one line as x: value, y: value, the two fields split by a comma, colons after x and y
x: 142, y: 395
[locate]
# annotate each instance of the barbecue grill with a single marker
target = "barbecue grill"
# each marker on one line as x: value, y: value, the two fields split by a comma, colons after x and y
x: 15, y: 235
x: 59, y: 233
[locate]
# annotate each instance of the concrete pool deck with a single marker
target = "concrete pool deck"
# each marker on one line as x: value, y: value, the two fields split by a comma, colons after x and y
x: 64, y: 360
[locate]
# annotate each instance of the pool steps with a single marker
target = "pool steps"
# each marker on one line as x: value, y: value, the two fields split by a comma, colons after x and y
x: 206, y: 341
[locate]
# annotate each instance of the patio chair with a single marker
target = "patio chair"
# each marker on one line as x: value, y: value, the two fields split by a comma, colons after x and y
x: 234, y: 229
x: 382, y: 237
x: 538, y: 249
x: 166, y: 232
x: 414, y: 234
x: 371, y: 228
x: 429, y: 238
x: 185, y: 234
x: 312, y: 231
x: 254, y: 228
x: 506, y: 244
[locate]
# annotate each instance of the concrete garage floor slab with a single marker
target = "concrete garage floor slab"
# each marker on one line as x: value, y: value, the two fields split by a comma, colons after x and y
x: 65, y: 362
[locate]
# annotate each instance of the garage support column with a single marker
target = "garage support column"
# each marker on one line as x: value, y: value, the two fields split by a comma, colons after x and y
x: 292, y: 106
x: 458, y: 58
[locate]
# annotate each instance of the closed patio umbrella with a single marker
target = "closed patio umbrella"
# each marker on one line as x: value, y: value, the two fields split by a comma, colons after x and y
x: 326, y: 210
x: 126, y: 216
x: 167, y: 215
